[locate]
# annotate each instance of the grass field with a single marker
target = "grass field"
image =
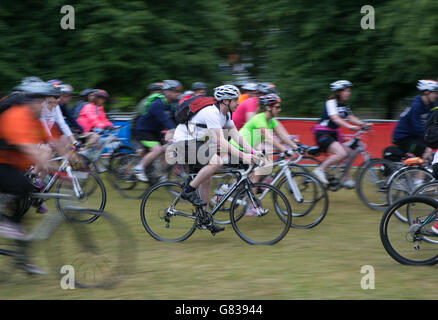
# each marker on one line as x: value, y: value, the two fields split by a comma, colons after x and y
x: 320, y: 263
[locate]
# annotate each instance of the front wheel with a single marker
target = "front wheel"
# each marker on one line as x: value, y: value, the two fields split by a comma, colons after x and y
x: 308, y: 198
x: 165, y: 216
x: 262, y: 219
x: 411, y: 243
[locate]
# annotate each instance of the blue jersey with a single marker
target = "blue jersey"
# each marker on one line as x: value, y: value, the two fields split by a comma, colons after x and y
x: 158, y: 117
x: 412, y: 120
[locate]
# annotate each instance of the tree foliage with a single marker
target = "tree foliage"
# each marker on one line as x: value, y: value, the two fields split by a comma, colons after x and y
x: 300, y: 46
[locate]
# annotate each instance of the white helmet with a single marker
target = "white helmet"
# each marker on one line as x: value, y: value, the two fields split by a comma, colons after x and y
x: 430, y: 85
x: 340, y: 85
x: 226, y: 92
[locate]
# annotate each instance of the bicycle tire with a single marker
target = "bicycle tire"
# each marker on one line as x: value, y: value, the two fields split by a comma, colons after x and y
x: 402, y: 183
x: 157, y: 220
x: 101, y: 254
x: 394, y: 234
x: 97, y: 203
x: 250, y: 227
x: 314, y: 193
x: 377, y: 171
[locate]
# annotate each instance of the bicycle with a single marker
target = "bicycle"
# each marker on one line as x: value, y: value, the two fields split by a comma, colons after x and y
x: 405, y: 180
x: 167, y: 217
x: 336, y: 174
x: 411, y: 243
x: 109, y: 147
x: 305, y: 190
x: 84, y: 186
x: 100, y: 254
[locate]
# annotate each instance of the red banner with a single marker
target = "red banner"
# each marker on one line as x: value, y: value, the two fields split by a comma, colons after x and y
x: 375, y: 140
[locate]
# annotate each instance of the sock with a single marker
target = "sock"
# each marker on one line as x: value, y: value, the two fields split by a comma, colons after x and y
x: 188, y: 188
x: 139, y: 167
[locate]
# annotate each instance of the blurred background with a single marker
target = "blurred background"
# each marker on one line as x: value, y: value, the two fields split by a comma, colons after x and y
x: 300, y: 46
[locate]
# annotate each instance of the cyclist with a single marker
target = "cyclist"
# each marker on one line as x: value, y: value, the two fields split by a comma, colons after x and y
x: 22, y: 133
x: 249, y: 90
x: 202, y: 138
x: 261, y: 128
x: 149, y: 127
x: 336, y: 114
x: 408, y: 135
x: 199, y: 89
x: 87, y: 96
x: 247, y: 109
x: 155, y: 92
x: 63, y: 100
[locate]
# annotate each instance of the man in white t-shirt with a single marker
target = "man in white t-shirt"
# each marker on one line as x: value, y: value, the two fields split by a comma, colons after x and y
x: 208, y: 124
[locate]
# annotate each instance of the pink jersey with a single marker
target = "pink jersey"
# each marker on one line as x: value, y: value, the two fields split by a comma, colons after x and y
x: 92, y: 116
x: 239, y: 116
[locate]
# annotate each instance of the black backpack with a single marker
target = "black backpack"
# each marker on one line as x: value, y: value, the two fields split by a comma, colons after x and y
x: 431, y: 130
x: 185, y: 110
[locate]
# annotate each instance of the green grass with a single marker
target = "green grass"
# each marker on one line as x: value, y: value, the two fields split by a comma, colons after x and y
x: 320, y: 263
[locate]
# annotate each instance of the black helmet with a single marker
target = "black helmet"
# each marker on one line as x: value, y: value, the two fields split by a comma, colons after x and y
x: 101, y: 93
x: 86, y: 92
x: 199, y: 86
x: 266, y: 88
x: 35, y: 87
x: 156, y: 86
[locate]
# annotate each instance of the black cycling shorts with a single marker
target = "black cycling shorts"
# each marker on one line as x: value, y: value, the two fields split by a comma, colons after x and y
x: 414, y: 145
x: 325, y: 138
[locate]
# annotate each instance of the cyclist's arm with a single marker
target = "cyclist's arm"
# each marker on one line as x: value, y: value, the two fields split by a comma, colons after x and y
x: 281, y: 132
x: 355, y: 120
x: 342, y: 123
x: 38, y: 154
x: 217, y: 137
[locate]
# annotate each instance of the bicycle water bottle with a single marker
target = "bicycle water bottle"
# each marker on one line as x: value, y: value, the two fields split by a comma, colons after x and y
x: 218, y: 195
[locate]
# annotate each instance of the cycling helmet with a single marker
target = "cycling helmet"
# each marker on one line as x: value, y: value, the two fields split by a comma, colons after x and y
x: 35, y: 87
x: 174, y: 85
x: 101, y: 93
x: 65, y: 89
x: 266, y: 88
x: 199, y: 86
x: 86, y: 92
x: 269, y: 99
x: 250, y: 86
x: 226, y: 92
x: 340, y: 85
x: 155, y: 86
x: 429, y: 85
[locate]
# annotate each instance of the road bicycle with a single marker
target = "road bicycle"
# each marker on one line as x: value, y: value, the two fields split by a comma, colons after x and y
x: 306, y: 194
x: 411, y: 243
x: 108, y: 148
x: 85, y: 186
x: 167, y: 217
x: 337, y: 173
x: 100, y: 254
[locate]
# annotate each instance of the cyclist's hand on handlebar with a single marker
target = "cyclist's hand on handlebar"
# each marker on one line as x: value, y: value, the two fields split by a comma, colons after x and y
x: 354, y: 128
x: 367, y: 126
x: 257, y: 153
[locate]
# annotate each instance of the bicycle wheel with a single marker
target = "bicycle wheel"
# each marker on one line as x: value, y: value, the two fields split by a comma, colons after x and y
x: 309, y: 163
x: 404, y: 182
x: 410, y: 243
x: 122, y: 176
x: 93, y: 196
x: 312, y: 205
x: 371, y: 183
x: 429, y: 190
x: 264, y: 226
x: 97, y: 255
x: 164, y: 215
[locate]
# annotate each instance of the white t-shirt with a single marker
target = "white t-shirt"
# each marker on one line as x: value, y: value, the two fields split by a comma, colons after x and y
x: 50, y: 117
x: 209, y: 116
